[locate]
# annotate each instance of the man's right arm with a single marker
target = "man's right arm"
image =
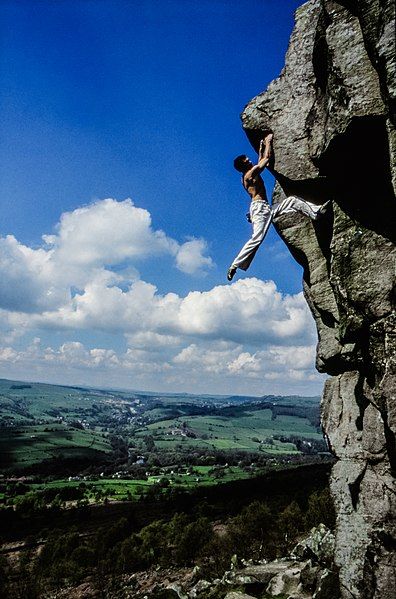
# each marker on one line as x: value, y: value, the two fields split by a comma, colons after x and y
x: 264, y: 157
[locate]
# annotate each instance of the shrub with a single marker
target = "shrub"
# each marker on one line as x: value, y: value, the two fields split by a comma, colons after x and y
x: 320, y: 509
x: 250, y: 532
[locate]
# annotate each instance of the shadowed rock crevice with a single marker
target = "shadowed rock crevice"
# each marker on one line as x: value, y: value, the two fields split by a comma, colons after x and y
x: 358, y: 164
x: 354, y: 488
x: 363, y: 403
x: 332, y: 114
x: 376, y: 21
x: 390, y: 439
x: 320, y: 56
x: 350, y: 5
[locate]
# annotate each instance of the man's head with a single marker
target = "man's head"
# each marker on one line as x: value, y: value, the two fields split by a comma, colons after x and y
x: 242, y: 163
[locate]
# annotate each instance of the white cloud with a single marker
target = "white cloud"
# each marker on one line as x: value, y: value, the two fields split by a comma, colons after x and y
x: 25, y: 278
x: 212, y: 359
x: 274, y: 362
x: 89, y: 241
x: 190, y: 256
x: 238, y: 335
x: 8, y: 354
x: 107, y: 233
x: 244, y: 363
x: 248, y: 311
x: 277, y: 362
x: 200, y: 368
x: 152, y: 341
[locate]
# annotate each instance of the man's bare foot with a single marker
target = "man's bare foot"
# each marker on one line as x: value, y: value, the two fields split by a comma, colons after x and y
x: 231, y: 273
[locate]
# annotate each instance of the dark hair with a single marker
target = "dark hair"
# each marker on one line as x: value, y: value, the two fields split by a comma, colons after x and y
x: 239, y: 162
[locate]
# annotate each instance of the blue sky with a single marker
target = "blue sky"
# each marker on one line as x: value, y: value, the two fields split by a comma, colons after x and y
x: 106, y: 100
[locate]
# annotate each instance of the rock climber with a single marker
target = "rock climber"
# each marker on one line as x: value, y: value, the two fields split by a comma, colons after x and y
x: 261, y: 214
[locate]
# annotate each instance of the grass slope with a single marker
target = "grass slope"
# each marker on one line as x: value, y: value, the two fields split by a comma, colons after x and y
x: 37, y: 422
x: 251, y: 430
x: 27, y: 445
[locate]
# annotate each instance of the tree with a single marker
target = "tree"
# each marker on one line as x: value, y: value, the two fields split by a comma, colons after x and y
x: 192, y: 540
x: 320, y: 509
x: 149, y: 441
x: 107, y: 539
x: 130, y: 557
x: 176, y: 527
x: 154, y: 542
x: 3, y: 575
x: 250, y: 532
x: 290, y: 523
x: 84, y: 556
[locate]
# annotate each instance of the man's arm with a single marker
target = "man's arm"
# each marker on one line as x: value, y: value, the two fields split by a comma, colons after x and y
x: 265, y: 152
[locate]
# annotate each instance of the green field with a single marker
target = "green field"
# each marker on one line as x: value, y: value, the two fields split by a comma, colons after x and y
x: 252, y: 430
x: 119, y: 490
x: 27, y: 445
x: 21, y: 403
x: 37, y: 400
x: 40, y: 422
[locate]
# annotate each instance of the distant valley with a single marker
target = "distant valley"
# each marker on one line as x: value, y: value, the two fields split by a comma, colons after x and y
x: 90, y: 477
x: 43, y: 424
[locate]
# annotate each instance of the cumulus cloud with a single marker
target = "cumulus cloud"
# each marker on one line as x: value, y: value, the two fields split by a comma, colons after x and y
x: 274, y: 362
x: 152, y: 341
x: 25, y: 278
x: 84, y: 281
x: 245, y: 363
x: 248, y: 311
x: 277, y: 362
x: 206, y: 359
x: 88, y: 242
x: 217, y: 366
x: 190, y: 257
x: 73, y: 353
x: 107, y: 233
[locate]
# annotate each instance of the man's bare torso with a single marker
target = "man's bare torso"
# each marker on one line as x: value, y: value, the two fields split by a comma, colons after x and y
x: 255, y: 187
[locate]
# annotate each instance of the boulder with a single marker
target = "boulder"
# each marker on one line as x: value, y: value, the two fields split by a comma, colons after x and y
x: 199, y: 589
x: 171, y: 592
x: 327, y: 586
x: 285, y: 583
x: 309, y: 576
x: 238, y: 595
x: 332, y: 111
x: 318, y: 546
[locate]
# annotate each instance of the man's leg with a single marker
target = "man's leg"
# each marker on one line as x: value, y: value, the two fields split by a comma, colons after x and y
x: 296, y: 204
x: 261, y: 216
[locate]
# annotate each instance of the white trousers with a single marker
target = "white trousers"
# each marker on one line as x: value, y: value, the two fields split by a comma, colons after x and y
x: 261, y: 215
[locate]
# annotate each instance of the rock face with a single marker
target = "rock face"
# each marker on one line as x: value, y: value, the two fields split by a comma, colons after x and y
x: 332, y: 111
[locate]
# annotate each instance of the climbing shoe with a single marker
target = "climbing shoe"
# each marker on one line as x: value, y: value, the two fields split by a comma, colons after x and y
x: 231, y: 272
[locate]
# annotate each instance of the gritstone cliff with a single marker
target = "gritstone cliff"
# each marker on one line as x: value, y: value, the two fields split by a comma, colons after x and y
x: 332, y: 111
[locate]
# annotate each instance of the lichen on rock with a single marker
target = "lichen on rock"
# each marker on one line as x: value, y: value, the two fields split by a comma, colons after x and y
x: 332, y: 111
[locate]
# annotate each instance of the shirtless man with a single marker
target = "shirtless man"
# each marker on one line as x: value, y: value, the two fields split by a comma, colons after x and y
x: 260, y: 213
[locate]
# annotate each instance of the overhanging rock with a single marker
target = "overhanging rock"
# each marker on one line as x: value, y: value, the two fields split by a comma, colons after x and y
x: 332, y: 111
